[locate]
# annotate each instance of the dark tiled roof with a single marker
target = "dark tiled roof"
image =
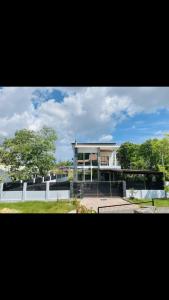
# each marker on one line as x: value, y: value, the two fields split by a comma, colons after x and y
x: 131, y: 171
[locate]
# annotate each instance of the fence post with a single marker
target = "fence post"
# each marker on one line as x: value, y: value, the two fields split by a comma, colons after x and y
x: 1, y: 190
x: 110, y: 189
x: 124, y: 188
x: 47, y: 190
x: 24, y: 191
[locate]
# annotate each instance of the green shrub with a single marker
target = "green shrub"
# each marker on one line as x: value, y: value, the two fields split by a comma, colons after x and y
x: 81, y: 209
x: 76, y: 202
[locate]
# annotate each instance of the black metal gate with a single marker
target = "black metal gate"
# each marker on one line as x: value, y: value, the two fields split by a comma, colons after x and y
x: 99, y: 189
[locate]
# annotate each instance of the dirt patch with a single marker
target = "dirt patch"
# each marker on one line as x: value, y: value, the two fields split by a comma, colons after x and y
x: 9, y: 211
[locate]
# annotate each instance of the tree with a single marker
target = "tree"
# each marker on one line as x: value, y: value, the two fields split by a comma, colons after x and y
x: 138, y: 163
x: 127, y: 155
x: 149, y: 152
x: 64, y: 163
x: 29, y: 153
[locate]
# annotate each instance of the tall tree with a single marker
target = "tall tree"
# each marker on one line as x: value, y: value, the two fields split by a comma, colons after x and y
x: 127, y: 154
x: 149, y: 151
x: 30, y: 153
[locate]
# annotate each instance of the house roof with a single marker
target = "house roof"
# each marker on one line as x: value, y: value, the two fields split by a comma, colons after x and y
x: 106, y: 144
x: 131, y: 171
x: 95, y: 145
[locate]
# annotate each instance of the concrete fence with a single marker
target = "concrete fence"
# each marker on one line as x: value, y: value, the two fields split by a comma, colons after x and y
x: 24, y: 195
x: 146, y: 194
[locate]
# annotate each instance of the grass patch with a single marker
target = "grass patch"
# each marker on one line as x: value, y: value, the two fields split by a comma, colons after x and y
x: 157, y: 202
x: 40, y: 206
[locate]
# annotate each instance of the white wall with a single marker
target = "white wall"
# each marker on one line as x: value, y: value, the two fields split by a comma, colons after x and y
x: 17, y: 196
x: 35, y: 195
x: 87, y: 150
x: 54, y: 195
x: 11, y: 196
x: 147, y: 194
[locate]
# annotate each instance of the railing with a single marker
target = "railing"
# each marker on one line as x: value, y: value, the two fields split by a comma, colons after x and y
x: 105, y: 206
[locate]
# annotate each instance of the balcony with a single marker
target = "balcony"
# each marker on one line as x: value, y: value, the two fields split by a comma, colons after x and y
x: 91, y: 160
x: 109, y: 167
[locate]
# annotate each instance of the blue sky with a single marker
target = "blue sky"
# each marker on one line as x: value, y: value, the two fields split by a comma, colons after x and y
x: 143, y: 126
x: 89, y: 114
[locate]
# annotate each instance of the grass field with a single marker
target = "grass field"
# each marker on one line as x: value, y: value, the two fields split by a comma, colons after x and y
x: 37, y: 207
x: 157, y: 202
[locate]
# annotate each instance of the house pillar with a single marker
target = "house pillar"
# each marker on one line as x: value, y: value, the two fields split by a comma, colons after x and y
x: 98, y: 175
x: 75, y: 164
x: 47, y: 190
x: 98, y: 157
x: 115, y: 159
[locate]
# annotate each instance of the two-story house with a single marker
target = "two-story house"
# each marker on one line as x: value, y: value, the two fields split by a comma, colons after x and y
x: 92, y: 160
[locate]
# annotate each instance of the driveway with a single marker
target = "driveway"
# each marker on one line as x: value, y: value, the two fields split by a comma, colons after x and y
x: 95, y: 202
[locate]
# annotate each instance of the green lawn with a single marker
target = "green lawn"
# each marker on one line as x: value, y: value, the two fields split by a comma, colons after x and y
x: 157, y: 202
x: 38, y: 207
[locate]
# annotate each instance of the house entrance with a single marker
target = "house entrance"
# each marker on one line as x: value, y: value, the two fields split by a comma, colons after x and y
x: 99, y: 189
x: 104, y: 176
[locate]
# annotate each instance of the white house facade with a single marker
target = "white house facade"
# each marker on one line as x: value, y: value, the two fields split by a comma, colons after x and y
x: 90, y: 159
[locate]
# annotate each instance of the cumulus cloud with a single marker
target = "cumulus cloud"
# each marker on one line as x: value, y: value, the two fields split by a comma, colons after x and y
x: 106, y: 138
x: 85, y: 113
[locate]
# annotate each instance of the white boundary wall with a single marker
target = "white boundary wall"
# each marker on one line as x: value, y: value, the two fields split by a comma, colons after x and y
x: 147, y: 194
x: 16, y: 196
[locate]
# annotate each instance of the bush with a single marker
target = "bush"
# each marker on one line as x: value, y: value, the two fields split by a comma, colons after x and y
x: 81, y: 209
x: 76, y: 202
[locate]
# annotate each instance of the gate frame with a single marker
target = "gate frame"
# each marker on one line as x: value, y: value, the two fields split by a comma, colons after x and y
x: 81, y: 189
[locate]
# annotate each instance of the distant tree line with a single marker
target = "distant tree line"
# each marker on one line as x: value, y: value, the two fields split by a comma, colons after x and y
x: 153, y: 154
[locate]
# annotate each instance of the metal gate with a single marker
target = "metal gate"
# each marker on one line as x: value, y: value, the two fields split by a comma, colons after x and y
x: 99, y: 189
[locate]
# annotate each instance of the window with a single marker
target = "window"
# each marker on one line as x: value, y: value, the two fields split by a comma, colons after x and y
x: 104, y: 160
x: 94, y: 174
x: 94, y: 159
x: 87, y: 175
x: 86, y: 155
x: 80, y: 161
x: 80, y: 156
x: 80, y: 175
x: 86, y: 158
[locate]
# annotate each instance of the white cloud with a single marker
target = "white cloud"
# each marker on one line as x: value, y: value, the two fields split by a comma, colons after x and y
x: 106, y: 138
x: 87, y: 113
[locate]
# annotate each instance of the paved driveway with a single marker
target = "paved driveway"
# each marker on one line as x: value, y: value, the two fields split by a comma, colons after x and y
x: 94, y: 203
